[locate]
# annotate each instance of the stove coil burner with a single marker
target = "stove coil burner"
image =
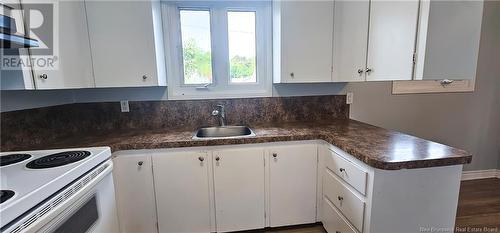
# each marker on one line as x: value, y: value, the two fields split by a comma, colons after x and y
x: 58, y: 159
x: 5, y: 195
x: 13, y: 158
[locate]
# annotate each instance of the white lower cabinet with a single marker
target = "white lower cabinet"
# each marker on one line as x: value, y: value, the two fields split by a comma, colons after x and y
x: 135, y: 195
x: 239, y: 189
x: 344, y: 199
x: 245, y: 187
x: 182, y: 191
x: 292, y: 184
x: 333, y: 221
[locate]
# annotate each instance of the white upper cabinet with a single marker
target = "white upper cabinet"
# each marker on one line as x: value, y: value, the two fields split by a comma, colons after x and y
x: 448, y: 40
x: 70, y: 49
x: 350, y: 37
x: 303, y: 32
x: 182, y: 191
x: 292, y: 182
x: 126, y: 41
x: 391, y: 44
x: 239, y: 189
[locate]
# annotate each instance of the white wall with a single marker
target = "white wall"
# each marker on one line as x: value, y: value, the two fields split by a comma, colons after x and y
x: 469, y: 121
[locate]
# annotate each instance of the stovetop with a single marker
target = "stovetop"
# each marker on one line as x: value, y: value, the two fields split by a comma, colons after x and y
x: 29, y: 177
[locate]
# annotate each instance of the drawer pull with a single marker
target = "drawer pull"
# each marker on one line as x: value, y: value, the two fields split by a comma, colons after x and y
x: 217, y: 158
x: 140, y: 163
x: 201, y: 158
x: 342, y: 170
x: 340, y: 198
x: 275, y: 155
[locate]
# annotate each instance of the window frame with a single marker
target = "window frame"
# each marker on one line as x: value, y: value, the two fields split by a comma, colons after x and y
x: 221, y: 86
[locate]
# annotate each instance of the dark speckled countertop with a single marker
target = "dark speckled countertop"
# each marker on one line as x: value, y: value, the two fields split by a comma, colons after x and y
x: 375, y: 146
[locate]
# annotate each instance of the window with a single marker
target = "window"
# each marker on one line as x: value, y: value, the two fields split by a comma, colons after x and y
x: 241, y: 30
x: 218, y: 49
x: 196, y: 46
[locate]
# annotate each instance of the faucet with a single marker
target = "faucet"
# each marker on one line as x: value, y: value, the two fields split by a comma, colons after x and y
x: 220, y: 113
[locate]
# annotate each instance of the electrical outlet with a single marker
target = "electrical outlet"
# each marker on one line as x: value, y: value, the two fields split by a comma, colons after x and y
x: 124, y: 106
x: 350, y: 97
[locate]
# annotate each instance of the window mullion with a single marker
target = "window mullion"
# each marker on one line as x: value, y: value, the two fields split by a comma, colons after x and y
x: 220, y: 43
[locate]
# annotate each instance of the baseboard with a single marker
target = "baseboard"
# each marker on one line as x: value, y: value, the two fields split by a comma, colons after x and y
x: 481, y: 174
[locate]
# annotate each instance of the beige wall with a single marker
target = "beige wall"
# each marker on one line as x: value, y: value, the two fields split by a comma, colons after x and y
x: 465, y: 120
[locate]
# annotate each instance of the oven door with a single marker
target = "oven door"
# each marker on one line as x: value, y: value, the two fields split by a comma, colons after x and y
x: 89, y: 206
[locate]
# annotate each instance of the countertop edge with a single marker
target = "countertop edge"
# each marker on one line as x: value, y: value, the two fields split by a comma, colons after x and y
x: 372, y: 162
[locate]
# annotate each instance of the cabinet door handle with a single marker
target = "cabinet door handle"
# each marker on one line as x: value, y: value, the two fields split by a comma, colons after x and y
x: 140, y: 163
x: 368, y: 70
x: 340, y: 198
x: 275, y: 155
x: 292, y: 75
x: 201, y: 158
x: 217, y: 158
x: 360, y: 71
x: 144, y: 77
x: 338, y: 232
x: 44, y: 76
x: 342, y: 170
x: 445, y: 82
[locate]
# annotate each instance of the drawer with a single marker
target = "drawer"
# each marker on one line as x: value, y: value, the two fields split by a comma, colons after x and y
x: 348, y: 171
x: 351, y: 206
x: 333, y: 220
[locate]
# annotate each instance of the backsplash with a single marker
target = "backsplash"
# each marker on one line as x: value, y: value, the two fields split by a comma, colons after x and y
x: 35, y: 126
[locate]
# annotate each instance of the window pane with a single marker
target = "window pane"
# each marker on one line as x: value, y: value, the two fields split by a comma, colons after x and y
x: 241, y: 33
x: 196, y: 46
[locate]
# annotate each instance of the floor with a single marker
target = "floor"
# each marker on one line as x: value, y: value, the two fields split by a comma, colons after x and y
x: 479, y: 205
x: 478, y: 209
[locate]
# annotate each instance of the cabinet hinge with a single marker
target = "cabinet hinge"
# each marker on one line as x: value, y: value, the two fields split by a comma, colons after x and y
x: 414, y: 58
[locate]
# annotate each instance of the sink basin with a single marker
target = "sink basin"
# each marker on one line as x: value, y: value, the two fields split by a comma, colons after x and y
x: 223, y: 132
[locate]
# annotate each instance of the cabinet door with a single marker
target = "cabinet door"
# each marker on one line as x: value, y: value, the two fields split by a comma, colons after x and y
x: 293, y: 178
x: 239, y: 189
x: 134, y: 192
x: 71, y: 65
x: 350, y: 38
x: 182, y: 191
x: 122, y: 35
x: 392, y: 35
x: 306, y: 41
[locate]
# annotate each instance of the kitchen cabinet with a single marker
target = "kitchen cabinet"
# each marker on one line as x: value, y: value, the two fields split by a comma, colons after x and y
x: 292, y: 184
x: 133, y: 176
x: 239, y: 189
x: 350, y: 38
x: 245, y: 187
x: 126, y: 41
x: 344, y: 41
x: 360, y: 198
x: 19, y: 78
x: 182, y: 181
x: 391, y: 42
x: 68, y: 64
x: 302, y: 37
